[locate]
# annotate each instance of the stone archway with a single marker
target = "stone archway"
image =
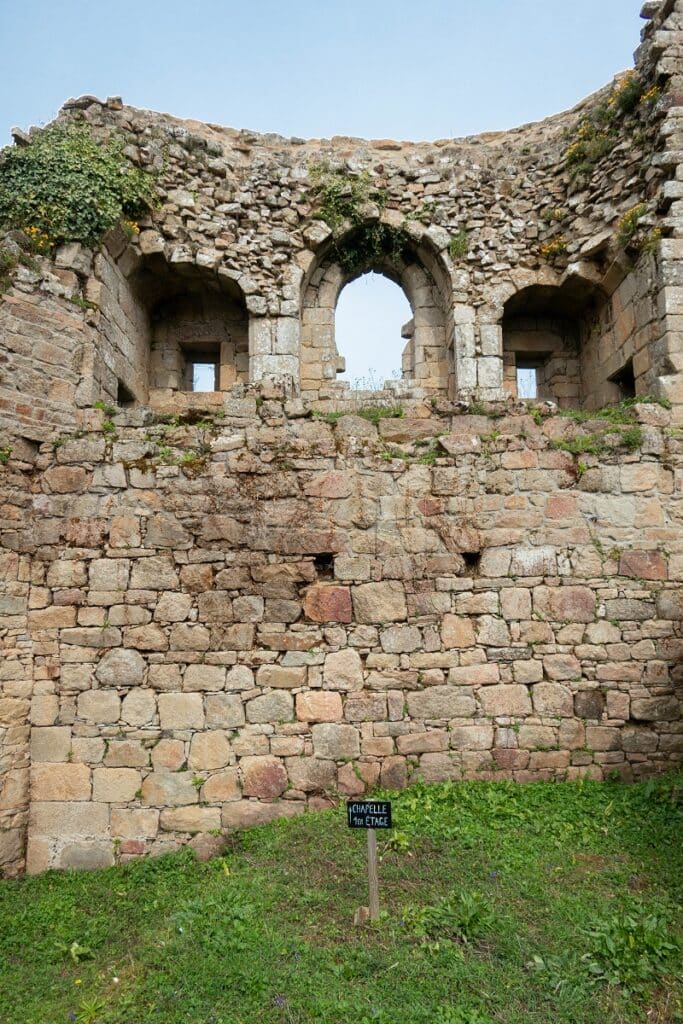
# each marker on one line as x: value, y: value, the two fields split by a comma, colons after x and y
x: 427, y: 360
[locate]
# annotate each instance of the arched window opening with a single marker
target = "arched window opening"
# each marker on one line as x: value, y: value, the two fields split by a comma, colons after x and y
x: 390, y: 324
x: 372, y: 324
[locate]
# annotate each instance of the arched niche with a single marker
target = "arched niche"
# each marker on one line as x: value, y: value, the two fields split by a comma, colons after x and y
x: 426, y: 360
x: 198, y: 328
x: 544, y: 332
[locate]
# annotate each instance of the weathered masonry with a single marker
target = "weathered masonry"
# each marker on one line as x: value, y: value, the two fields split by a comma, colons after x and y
x: 226, y: 605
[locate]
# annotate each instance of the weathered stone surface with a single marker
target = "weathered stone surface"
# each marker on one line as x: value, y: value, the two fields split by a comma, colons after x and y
x: 52, y: 743
x: 335, y: 742
x: 510, y: 699
x: 115, y: 785
x: 221, y: 786
x: 379, y: 602
x: 121, y: 668
x: 190, y: 819
x: 139, y: 707
x: 319, y: 706
x: 100, y: 706
x: 181, y: 711
x: 209, y: 750
x: 204, y: 677
x: 280, y: 677
x: 60, y: 782
x: 457, y: 631
x: 311, y: 774
x: 168, y: 789
x: 247, y: 813
x: 343, y: 671
x: 224, y: 711
x: 565, y: 604
x: 552, y: 699
x: 440, y: 702
x: 328, y: 604
x: 263, y: 777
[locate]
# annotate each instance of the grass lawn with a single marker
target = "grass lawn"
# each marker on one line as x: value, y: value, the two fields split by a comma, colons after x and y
x: 542, y: 904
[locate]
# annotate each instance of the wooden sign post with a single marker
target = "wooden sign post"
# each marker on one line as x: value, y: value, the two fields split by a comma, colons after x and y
x: 370, y: 815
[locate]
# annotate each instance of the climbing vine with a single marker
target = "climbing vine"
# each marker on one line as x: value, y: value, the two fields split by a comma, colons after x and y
x: 66, y: 186
x: 342, y: 199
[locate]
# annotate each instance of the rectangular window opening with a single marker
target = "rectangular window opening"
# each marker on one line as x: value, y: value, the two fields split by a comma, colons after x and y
x: 527, y: 381
x: 201, y: 368
x: 204, y: 376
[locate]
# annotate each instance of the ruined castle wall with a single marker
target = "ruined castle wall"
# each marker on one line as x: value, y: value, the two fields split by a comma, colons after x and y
x: 210, y: 625
x: 235, y: 622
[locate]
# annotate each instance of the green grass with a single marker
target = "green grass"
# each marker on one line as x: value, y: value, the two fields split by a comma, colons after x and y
x: 543, y: 904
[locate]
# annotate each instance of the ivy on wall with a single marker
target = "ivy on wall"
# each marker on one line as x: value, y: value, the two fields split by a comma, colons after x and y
x: 67, y: 186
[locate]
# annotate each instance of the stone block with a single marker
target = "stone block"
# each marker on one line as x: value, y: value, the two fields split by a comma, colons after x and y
x: 109, y: 574
x: 440, y: 702
x: 204, y: 677
x: 247, y: 813
x: 190, y: 819
x: 379, y: 602
x: 365, y: 706
x: 140, y: 823
x: 169, y: 789
x: 311, y: 774
x: 264, y: 776
x: 169, y: 754
x: 457, y: 631
x: 646, y: 565
x: 429, y: 742
x: 335, y: 742
x: 281, y: 677
x: 565, y: 604
x: 60, y: 782
x: 400, y: 639
x: 115, y: 785
x: 99, y: 706
x: 120, y: 668
x: 181, y: 711
x: 589, y: 704
x: 154, y: 573
x: 328, y: 603
x: 139, y: 707
x: 319, y: 706
x: 224, y: 711
x: 209, y: 750
x: 220, y: 786
x: 655, y: 709
x: 552, y: 699
x: 126, y: 754
x: 472, y: 737
x: 52, y: 743
x: 85, y: 855
x: 343, y: 670
x: 562, y: 666
x: 508, y: 699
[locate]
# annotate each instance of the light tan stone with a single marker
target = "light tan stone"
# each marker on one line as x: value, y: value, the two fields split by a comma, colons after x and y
x: 190, y: 819
x: 52, y: 743
x: 115, y: 785
x: 319, y: 706
x: 181, y: 710
x: 209, y: 750
x: 60, y: 782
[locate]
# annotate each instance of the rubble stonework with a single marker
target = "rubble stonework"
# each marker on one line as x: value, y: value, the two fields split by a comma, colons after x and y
x: 221, y: 608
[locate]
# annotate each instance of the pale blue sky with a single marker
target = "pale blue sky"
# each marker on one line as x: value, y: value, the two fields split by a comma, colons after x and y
x: 389, y: 68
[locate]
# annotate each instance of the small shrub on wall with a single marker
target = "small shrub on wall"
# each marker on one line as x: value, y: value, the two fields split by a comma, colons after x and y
x: 69, y: 187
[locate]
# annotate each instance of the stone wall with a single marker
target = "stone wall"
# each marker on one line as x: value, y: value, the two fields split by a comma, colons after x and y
x: 220, y: 608
x: 236, y: 621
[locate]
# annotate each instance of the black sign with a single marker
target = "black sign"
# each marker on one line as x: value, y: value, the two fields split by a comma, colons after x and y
x: 369, y: 813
